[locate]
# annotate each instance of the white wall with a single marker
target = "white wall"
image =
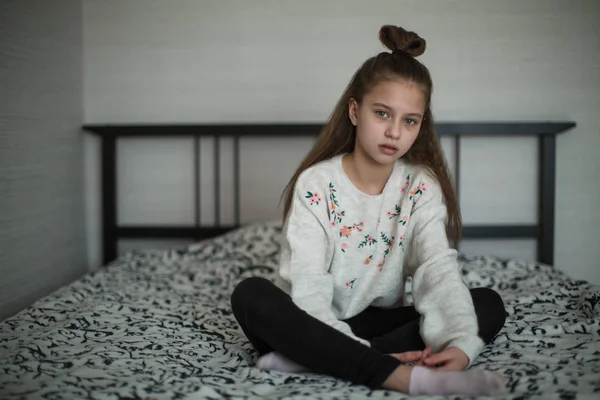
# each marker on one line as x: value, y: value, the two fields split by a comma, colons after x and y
x: 288, y: 61
x: 42, y: 238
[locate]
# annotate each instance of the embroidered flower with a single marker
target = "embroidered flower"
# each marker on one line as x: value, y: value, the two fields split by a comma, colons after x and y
x: 417, y: 191
x: 334, y: 205
x: 369, y: 259
x: 345, y: 231
x: 337, y: 217
x: 331, y: 188
x: 350, y: 284
x: 403, y: 221
x: 313, y: 198
x: 395, y: 213
x: 369, y: 241
x: 401, y: 242
x: 406, y: 184
x: 344, y: 247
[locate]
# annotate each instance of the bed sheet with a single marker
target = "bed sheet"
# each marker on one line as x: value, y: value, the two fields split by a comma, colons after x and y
x: 158, y: 325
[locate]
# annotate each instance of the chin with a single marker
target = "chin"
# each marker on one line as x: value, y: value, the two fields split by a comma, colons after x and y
x: 384, y: 160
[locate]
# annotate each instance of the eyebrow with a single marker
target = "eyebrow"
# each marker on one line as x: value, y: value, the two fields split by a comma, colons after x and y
x: 389, y: 108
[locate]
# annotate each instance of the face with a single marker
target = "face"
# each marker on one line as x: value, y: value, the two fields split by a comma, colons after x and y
x: 387, y: 121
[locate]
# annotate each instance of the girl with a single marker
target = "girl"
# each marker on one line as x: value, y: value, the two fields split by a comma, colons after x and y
x: 365, y: 210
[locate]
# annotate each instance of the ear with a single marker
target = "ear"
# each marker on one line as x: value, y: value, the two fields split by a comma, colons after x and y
x: 353, y: 111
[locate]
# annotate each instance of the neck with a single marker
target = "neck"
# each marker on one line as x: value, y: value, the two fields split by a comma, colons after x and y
x: 367, y: 175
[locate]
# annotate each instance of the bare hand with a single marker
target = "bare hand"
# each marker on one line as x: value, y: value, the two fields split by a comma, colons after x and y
x: 449, y: 359
x: 413, y: 357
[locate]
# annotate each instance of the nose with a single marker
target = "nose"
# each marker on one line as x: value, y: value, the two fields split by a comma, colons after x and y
x: 394, y: 130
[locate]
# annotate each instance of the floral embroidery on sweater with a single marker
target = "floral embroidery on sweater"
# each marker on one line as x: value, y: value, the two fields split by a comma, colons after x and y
x: 346, y: 231
x: 389, y: 241
x: 350, y: 284
x: 395, y: 213
x: 369, y: 241
x: 406, y: 184
x: 417, y: 191
x: 401, y: 242
x: 313, y: 198
x: 336, y: 216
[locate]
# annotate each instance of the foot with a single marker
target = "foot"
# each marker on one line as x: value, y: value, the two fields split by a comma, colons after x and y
x: 277, y: 362
x: 474, y: 382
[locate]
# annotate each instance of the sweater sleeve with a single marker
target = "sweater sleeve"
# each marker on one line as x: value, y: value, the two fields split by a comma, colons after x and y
x: 306, y: 256
x: 441, y: 297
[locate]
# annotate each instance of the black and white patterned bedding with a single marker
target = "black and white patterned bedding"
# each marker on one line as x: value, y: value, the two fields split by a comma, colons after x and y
x: 158, y: 325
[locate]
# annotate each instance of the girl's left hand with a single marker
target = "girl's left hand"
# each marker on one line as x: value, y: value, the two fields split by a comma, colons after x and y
x: 413, y: 357
x: 449, y: 359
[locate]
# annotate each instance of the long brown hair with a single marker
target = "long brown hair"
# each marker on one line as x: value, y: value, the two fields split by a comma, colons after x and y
x: 338, y: 134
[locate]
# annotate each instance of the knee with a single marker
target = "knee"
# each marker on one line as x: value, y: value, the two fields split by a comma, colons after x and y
x: 490, y: 304
x: 248, y: 294
x: 247, y: 289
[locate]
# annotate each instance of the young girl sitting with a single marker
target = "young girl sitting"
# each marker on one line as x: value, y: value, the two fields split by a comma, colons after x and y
x: 369, y: 206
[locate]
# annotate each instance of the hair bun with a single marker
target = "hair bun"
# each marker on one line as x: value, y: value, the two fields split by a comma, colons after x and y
x: 396, y: 38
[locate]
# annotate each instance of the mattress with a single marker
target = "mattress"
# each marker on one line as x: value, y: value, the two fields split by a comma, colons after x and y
x: 157, y: 324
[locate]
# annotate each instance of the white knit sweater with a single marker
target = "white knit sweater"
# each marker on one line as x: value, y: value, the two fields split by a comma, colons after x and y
x: 344, y: 250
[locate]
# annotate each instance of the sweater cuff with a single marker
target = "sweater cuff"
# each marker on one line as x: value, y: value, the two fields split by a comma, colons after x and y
x: 471, y: 345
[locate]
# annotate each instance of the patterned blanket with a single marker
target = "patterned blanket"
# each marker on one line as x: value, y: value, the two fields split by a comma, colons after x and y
x: 158, y: 325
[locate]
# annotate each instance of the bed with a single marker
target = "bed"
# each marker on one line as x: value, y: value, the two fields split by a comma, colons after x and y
x: 157, y: 324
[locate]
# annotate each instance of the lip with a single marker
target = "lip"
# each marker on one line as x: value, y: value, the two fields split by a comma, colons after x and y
x: 388, y: 149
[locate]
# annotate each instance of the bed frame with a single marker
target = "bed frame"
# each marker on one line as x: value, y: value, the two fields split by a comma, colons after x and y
x: 543, y: 231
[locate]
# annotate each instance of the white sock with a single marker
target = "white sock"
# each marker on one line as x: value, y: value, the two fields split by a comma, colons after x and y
x: 277, y: 362
x: 473, y: 382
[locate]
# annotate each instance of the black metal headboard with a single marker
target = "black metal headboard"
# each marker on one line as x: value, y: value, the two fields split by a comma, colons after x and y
x: 543, y: 231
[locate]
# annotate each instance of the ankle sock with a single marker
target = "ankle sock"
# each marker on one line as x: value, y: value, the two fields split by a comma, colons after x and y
x: 473, y: 382
x: 277, y: 362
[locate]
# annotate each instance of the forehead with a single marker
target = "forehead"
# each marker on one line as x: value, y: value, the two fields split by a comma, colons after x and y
x: 402, y: 96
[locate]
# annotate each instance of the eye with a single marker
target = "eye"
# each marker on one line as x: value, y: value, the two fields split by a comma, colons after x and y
x: 382, y: 114
x: 410, y: 121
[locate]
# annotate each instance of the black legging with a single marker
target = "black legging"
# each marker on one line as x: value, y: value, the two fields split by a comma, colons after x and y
x: 272, y: 322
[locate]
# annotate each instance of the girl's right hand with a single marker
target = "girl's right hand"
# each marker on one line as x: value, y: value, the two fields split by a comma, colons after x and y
x: 413, y: 357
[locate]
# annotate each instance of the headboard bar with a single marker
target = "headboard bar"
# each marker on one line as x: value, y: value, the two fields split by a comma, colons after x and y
x: 543, y: 231
x: 312, y: 129
x: 546, y: 198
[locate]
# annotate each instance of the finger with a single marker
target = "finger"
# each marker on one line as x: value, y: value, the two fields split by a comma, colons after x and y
x: 426, y: 353
x: 408, y: 356
x: 435, y: 359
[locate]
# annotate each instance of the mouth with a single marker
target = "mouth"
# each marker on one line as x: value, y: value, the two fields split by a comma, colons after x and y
x: 388, y: 149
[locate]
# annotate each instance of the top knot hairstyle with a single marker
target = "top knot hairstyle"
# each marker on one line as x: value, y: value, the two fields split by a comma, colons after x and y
x: 398, y: 39
x: 338, y: 134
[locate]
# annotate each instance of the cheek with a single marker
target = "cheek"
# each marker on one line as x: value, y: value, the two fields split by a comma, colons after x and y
x: 361, y: 135
x: 368, y: 126
x: 411, y: 137
x: 364, y: 130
